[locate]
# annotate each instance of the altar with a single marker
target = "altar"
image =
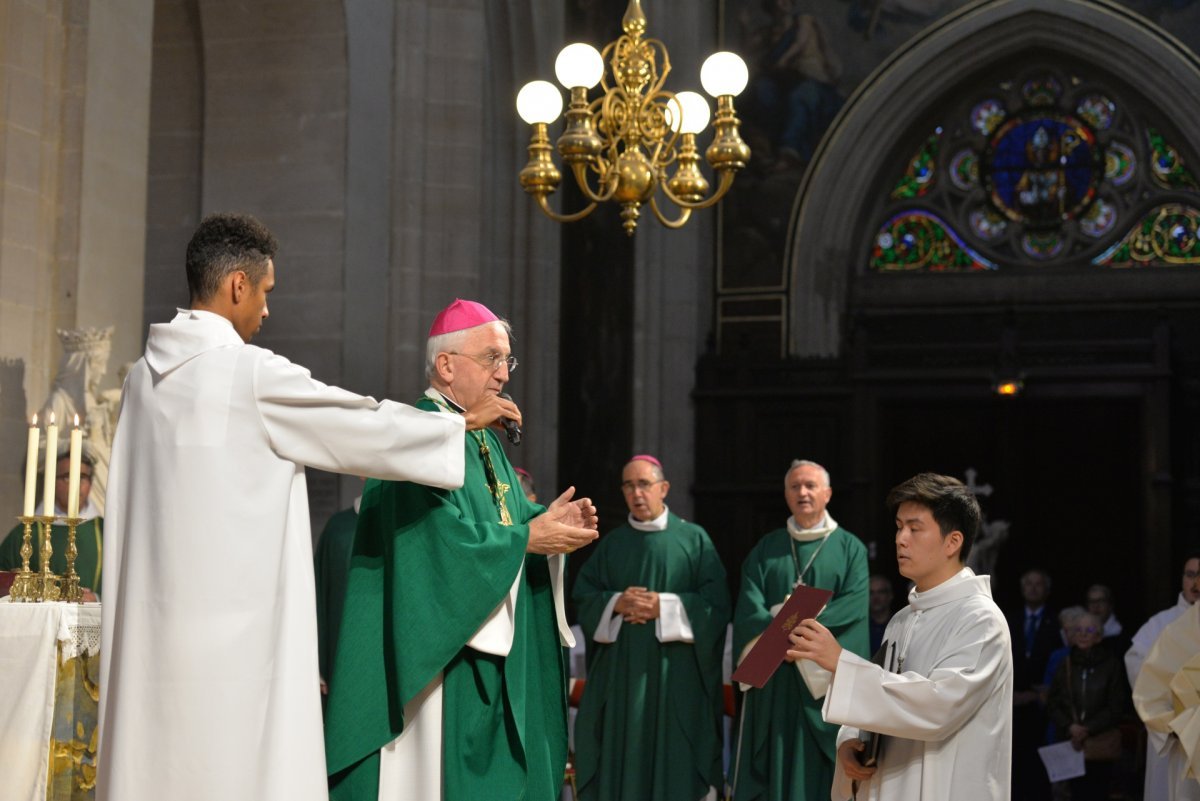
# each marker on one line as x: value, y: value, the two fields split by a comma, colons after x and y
x: 49, y: 690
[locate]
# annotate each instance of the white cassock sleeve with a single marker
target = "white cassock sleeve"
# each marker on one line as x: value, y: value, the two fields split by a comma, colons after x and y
x: 673, y: 624
x: 335, y: 430
x: 927, y: 708
x: 610, y: 622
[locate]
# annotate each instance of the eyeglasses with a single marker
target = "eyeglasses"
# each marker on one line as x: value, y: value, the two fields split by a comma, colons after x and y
x: 1087, y: 630
x: 490, y: 361
x: 1190, y: 574
x: 643, y: 485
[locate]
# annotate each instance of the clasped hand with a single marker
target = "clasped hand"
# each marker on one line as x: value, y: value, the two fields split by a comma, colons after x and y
x: 566, y: 525
x: 638, y: 605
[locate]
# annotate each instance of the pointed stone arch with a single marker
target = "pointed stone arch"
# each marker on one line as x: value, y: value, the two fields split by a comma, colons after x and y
x: 889, y: 114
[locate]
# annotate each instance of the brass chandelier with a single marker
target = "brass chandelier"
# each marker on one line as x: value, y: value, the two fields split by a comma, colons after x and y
x: 628, y: 139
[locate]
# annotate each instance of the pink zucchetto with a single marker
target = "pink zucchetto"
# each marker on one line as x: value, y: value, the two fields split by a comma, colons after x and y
x: 461, y: 315
x: 645, y: 457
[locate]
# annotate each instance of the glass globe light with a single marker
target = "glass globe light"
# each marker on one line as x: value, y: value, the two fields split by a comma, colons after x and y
x: 724, y: 73
x: 539, y: 101
x: 688, y: 112
x: 579, y: 64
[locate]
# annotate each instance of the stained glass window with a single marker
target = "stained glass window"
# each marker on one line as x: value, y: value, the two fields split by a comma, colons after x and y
x: 1041, y: 170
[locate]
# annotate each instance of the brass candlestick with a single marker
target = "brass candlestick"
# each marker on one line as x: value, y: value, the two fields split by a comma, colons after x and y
x: 70, y: 586
x: 23, y: 586
x: 48, y: 588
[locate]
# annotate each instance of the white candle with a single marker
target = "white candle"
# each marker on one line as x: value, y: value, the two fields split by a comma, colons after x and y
x: 31, y: 468
x: 73, y: 484
x: 51, y: 467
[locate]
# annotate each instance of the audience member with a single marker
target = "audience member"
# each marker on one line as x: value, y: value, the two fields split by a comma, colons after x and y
x: 1067, y: 620
x: 1034, y: 637
x: 1086, y: 700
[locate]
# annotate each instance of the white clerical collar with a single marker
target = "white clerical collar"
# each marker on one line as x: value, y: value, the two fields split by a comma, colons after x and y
x: 439, y: 397
x: 657, y: 524
x: 822, y: 529
x: 86, y: 513
x: 962, y: 584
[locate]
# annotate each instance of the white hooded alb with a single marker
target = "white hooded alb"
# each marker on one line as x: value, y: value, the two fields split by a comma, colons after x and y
x: 947, y: 709
x: 209, y: 679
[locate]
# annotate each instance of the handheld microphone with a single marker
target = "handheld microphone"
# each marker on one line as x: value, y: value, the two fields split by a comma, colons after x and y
x: 511, y: 428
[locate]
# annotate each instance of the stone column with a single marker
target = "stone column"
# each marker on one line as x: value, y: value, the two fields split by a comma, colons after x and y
x: 74, y: 99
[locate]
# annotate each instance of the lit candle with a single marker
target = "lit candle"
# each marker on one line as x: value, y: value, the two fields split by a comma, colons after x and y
x: 73, y: 485
x: 31, y: 468
x: 51, y: 467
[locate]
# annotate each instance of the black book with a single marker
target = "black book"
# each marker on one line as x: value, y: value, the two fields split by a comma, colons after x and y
x: 885, y: 657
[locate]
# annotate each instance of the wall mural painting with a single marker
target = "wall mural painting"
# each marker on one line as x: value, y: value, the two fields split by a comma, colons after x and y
x: 807, y: 56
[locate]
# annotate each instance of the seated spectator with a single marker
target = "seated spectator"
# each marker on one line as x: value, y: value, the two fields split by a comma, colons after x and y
x: 1087, y: 698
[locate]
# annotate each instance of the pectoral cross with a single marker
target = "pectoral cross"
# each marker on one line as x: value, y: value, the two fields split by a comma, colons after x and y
x: 499, y: 491
x: 497, y: 488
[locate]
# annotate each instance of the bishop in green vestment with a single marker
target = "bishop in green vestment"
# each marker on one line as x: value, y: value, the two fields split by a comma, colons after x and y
x: 89, y: 535
x: 456, y: 595
x: 654, y: 604
x: 786, y: 750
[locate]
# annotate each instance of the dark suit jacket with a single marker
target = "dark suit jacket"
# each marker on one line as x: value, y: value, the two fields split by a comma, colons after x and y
x: 1028, y: 671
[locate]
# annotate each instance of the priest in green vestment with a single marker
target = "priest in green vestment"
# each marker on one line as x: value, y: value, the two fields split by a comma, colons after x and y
x: 785, y: 751
x: 654, y: 604
x: 89, y: 534
x: 449, y: 680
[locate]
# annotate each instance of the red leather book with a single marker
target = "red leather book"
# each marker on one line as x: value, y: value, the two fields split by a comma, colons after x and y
x: 768, y: 653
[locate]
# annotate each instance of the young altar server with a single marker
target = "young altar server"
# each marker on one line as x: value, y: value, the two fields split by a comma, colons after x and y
x: 945, y: 709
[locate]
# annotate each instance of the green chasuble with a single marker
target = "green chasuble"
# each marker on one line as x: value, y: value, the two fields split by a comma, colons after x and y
x: 649, y: 723
x: 89, y: 537
x: 331, y: 565
x: 787, y: 751
x: 428, y: 568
